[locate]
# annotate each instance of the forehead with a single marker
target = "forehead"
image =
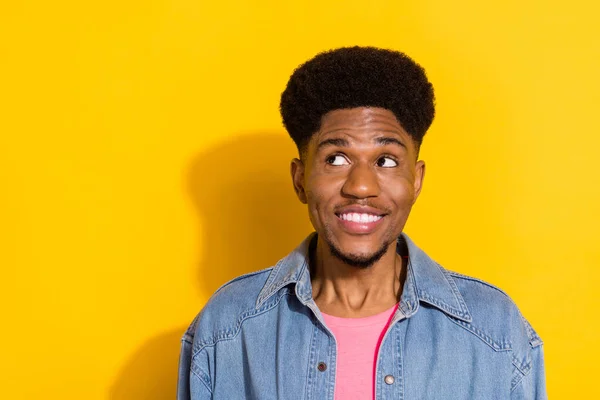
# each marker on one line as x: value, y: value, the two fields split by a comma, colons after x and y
x: 361, y: 124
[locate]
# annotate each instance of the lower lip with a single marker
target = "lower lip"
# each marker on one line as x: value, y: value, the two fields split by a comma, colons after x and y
x: 361, y: 228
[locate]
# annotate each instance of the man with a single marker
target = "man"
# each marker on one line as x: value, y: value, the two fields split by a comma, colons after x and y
x: 358, y: 311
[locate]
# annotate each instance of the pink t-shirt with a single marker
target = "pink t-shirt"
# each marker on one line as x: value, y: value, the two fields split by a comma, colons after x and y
x: 358, y: 341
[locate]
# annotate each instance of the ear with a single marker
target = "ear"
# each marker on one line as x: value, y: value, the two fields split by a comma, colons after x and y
x: 419, y: 176
x: 297, y: 170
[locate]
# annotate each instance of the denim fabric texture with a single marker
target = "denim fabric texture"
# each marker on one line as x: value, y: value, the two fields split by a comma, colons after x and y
x: 261, y: 336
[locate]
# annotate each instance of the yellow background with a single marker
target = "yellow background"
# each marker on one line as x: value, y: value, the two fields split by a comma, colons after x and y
x: 143, y: 163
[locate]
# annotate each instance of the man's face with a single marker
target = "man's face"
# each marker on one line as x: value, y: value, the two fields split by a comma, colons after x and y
x: 359, y: 177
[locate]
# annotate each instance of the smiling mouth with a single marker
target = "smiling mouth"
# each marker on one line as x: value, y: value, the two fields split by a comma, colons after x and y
x: 364, y: 218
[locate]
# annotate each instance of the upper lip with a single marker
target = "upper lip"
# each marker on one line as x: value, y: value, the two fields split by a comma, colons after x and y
x: 359, y: 210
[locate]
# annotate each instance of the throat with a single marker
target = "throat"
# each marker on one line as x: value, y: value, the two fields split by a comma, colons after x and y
x: 345, y: 291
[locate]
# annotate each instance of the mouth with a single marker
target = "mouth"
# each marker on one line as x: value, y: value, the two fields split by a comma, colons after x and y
x: 360, y: 221
x: 359, y: 217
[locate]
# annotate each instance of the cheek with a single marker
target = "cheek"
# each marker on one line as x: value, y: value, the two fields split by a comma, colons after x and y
x: 321, y: 195
x: 402, y: 193
x: 316, y: 203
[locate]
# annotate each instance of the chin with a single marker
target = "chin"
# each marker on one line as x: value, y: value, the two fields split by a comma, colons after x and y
x: 362, y: 244
x: 358, y: 259
x: 357, y: 253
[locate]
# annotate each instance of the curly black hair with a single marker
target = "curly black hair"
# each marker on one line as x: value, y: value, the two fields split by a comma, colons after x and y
x: 351, y: 77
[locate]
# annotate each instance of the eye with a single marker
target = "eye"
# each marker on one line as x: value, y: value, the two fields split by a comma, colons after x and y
x: 336, y: 159
x: 386, y: 162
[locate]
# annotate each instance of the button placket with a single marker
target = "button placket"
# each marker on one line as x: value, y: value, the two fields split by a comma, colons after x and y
x: 389, y: 383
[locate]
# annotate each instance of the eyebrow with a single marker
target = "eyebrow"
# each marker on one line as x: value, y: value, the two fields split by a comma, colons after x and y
x: 385, y: 140
x: 341, y: 142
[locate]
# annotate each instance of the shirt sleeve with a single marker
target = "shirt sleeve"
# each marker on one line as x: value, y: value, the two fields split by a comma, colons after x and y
x: 189, y: 385
x: 185, y: 359
x: 533, y: 385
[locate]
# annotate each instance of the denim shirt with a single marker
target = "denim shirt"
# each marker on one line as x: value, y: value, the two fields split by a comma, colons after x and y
x: 262, y: 336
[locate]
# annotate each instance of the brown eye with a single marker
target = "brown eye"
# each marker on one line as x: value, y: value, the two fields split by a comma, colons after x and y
x: 336, y: 159
x: 386, y: 162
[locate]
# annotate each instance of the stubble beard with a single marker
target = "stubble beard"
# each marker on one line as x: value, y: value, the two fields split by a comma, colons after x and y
x: 362, y: 261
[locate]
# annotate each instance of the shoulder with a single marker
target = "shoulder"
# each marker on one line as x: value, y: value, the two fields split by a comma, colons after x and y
x: 223, y: 314
x: 496, y: 319
x: 494, y: 315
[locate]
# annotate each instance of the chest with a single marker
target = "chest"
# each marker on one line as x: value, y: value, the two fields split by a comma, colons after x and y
x: 428, y: 356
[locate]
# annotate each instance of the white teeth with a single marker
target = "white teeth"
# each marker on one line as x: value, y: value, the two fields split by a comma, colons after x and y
x: 363, y: 218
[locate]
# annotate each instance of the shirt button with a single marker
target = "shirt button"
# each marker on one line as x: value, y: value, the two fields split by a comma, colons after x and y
x: 389, y: 379
x: 322, y: 366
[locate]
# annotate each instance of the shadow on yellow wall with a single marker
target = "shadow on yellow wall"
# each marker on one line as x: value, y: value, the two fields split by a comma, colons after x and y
x: 249, y: 218
x: 249, y: 214
x: 151, y: 374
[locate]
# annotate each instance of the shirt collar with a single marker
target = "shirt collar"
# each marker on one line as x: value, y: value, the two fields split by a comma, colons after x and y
x: 426, y: 281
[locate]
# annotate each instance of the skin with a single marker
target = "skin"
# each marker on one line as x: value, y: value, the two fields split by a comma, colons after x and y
x: 360, y: 157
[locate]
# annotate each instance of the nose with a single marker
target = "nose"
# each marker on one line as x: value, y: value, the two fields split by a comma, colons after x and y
x: 361, y: 182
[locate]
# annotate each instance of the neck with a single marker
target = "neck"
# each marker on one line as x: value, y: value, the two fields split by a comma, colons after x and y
x: 348, y: 291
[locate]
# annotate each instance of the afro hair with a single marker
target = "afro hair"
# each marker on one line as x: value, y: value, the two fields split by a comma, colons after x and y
x: 350, y: 77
